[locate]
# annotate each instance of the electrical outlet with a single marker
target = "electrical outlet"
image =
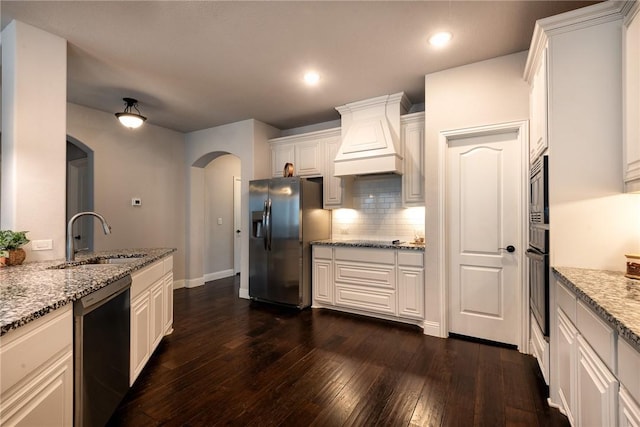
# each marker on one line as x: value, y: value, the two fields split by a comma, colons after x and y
x: 136, y: 201
x: 42, y: 245
x: 219, y: 221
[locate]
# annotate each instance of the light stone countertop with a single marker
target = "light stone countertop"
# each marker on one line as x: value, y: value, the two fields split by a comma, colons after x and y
x: 615, y: 298
x: 380, y: 244
x: 33, y: 289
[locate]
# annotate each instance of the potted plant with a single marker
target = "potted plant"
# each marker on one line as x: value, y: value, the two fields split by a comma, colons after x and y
x: 11, y: 252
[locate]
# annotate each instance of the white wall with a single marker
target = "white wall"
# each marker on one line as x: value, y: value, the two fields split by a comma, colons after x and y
x: 147, y: 163
x: 34, y: 91
x: 377, y: 212
x: 486, y: 92
x: 248, y: 141
x: 219, y: 238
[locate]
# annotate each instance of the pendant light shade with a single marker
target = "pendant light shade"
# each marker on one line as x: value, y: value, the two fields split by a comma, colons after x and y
x: 128, y: 118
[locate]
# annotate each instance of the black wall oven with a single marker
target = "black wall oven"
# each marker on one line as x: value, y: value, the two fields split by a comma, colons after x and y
x: 538, y: 251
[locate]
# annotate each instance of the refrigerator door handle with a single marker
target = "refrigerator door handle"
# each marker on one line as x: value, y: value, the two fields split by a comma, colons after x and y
x: 265, y: 225
x: 269, y: 224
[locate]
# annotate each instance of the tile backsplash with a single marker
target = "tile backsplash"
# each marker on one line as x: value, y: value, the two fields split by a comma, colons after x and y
x: 377, y: 212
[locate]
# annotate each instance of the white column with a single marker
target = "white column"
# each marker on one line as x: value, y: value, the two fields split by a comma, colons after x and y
x: 34, y: 97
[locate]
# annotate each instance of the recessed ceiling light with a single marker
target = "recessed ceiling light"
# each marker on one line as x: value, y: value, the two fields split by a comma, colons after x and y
x: 311, y: 78
x: 440, y: 39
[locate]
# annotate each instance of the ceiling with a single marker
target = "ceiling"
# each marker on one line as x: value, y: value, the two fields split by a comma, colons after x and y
x: 199, y: 64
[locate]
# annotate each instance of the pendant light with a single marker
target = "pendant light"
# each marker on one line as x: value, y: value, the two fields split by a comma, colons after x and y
x: 128, y: 118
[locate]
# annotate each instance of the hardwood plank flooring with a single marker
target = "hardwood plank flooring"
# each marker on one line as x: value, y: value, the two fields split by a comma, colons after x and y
x: 234, y: 362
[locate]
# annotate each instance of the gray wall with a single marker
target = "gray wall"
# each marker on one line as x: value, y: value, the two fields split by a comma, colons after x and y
x: 147, y: 163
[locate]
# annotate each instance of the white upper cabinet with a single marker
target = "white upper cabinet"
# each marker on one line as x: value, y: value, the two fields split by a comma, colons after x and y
x: 337, y: 190
x: 305, y: 151
x: 412, y: 129
x: 631, y: 97
x: 282, y: 154
x: 538, y: 141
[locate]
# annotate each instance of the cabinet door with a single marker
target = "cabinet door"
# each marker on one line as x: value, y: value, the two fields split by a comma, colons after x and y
x: 336, y: 190
x: 631, y: 98
x: 597, y: 389
x: 280, y: 155
x: 413, y: 177
x: 566, y: 354
x: 628, y: 410
x: 140, y: 334
x: 538, y: 141
x: 157, y: 313
x: 309, y: 158
x: 46, y: 400
x: 411, y: 293
x: 168, y: 303
x: 322, y: 281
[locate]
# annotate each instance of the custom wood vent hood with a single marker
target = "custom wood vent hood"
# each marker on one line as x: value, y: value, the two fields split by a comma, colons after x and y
x: 371, y: 136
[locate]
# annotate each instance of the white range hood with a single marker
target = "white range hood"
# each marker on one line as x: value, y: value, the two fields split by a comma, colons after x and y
x: 371, y: 136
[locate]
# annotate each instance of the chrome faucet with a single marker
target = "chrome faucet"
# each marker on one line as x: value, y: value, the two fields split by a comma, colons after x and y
x: 71, y: 252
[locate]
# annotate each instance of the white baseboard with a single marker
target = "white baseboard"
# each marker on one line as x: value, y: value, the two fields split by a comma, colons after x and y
x: 431, y: 328
x: 177, y: 284
x: 218, y: 275
x: 244, y: 293
x: 194, y: 283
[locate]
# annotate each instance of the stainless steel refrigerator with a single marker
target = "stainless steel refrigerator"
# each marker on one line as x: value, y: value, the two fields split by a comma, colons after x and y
x: 286, y: 215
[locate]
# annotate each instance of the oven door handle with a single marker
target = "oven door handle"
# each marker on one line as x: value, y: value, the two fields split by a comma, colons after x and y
x: 533, y: 254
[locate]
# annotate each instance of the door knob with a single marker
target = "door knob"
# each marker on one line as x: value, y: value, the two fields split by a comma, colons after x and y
x: 78, y: 237
x: 509, y: 248
x: 238, y: 231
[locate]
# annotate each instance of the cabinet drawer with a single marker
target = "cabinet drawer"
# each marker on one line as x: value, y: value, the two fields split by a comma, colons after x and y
x: 167, y: 264
x: 411, y: 258
x: 567, y: 301
x: 369, y: 255
x: 366, y: 299
x: 599, y: 335
x: 27, y: 350
x: 629, y: 368
x: 142, y: 279
x: 325, y: 252
x: 383, y: 277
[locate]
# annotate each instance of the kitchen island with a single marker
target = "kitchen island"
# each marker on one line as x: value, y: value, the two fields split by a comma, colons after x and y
x: 370, y: 277
x: 31, y: 290
x: 39, y: 346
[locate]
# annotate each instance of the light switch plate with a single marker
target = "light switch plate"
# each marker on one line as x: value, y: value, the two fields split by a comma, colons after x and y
x: 136, y: 201
x: 219, y: 221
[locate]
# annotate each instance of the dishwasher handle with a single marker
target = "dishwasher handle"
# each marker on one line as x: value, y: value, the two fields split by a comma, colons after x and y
x: 102, y: 296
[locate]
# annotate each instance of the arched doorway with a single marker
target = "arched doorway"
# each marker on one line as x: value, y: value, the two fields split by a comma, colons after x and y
x: 217, y: 174
x: 80, y: 191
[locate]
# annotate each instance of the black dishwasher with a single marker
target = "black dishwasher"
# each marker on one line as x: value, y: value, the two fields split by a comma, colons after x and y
x: 101, y: 352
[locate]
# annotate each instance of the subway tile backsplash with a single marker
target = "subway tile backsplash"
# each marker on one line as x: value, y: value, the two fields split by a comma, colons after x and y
x: 377, y: 212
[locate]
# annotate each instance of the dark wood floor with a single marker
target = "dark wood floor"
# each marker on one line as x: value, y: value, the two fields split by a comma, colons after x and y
x: 233, y: 362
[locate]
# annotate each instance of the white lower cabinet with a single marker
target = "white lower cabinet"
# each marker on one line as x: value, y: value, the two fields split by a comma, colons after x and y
x: 597, y: 389
x: 411, y: 284
x: 566, y: 363
x: 151, y: 312
x: 596, y: 377
x: 386, y: 283
x: 322, y: 275
x: 36, y: 364
x: 628, y: 410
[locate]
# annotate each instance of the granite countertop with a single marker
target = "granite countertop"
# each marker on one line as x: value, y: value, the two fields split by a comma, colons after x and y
x: 33, y: 289
x: 380, y: 244
x: 614, y: 297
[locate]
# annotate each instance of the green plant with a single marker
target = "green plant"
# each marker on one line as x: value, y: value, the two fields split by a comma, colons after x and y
x: 10, y: 240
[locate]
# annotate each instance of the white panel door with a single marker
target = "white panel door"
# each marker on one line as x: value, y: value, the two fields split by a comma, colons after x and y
x: 483, y: 216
